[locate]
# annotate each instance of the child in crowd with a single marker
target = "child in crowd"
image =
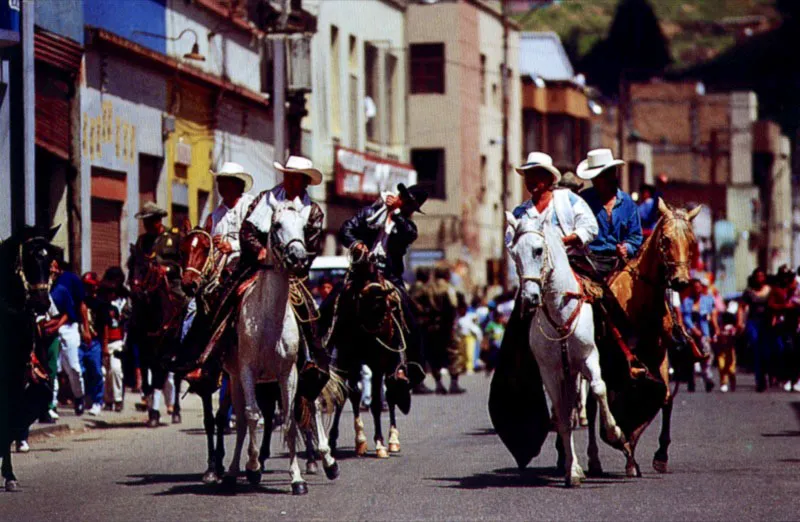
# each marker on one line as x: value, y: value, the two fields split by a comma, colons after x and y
x: 494, y: 331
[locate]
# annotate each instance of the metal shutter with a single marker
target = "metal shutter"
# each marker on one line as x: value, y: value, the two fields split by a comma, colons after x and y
x: 106, y: 217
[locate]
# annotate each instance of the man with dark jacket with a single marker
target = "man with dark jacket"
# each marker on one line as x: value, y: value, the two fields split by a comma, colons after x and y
x: 383, y: 232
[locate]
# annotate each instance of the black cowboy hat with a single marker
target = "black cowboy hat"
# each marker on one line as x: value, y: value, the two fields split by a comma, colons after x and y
x: 414, y: 194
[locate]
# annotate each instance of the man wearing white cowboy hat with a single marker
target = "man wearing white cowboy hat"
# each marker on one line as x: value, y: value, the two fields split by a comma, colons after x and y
x: 567, y: 211
x: 298, y: 174
x: 620, y: 230
x: 225, y: 222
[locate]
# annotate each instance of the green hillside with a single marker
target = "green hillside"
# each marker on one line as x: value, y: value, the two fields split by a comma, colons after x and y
x: 696, y: 30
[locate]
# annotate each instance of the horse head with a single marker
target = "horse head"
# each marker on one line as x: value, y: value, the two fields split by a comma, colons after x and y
x: 527, y: 245
x: 197, y: 259
x: 287, y: 233
x: 35, y: 255
x: 676, y: 243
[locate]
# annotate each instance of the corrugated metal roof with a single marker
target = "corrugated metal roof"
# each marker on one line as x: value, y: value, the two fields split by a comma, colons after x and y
x: 541, y: 54
x: 56, y: 50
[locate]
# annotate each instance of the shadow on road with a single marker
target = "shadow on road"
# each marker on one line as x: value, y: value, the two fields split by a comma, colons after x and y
x: 191, y: 484
x: 515, y: 478
x: 785, y: 433
x: 481, y: 432
x: 97, y: 424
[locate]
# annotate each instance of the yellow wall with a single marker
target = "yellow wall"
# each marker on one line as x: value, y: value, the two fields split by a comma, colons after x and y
x: 193, y: 125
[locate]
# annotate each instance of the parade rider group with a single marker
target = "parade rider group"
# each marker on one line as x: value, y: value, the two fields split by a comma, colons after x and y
x: 600, y: 229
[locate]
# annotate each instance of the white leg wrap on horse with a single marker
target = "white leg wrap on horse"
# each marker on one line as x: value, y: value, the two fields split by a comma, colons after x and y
x: 155, y: 403
x: 599, y: 388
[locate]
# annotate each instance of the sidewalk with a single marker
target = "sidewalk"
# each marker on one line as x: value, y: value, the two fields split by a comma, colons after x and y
x: 129, y: 417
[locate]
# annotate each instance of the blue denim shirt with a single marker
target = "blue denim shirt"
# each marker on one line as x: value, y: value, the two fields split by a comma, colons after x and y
x: 625, y: 226
x: 700, y: 317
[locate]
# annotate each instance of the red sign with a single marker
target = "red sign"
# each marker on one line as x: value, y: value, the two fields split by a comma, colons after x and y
x: 364, y: 176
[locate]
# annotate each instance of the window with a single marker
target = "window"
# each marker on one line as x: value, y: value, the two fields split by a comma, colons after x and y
x: 267, y: 68
x: 560, y: 140
x: 391, y: 102
x: 336, y: 75
x: 531, y: 132
x: 181, y: 171
x: 427, y: 68
x: 430, y: 167
x: 203, y: 208
x: 371, y: 99
x: 483, y: 79
x: 180, y: 215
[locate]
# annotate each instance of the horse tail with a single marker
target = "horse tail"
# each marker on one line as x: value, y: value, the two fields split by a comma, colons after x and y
x: 333, y: 394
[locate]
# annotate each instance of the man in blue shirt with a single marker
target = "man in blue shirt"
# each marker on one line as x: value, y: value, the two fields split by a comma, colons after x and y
x: 69, y: 297
x: 619, y: 228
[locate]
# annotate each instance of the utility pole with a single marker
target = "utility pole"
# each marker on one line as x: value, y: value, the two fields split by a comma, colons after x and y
x: 29, y: 118
x: 504, y: 173
x: 279, y: 96
x: 622, y: 115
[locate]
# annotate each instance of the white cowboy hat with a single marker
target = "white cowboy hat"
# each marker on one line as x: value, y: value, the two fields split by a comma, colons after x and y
x: 300, y: 165
x: 540, y: 160
x: 234, y: 170
x: 596, y: 162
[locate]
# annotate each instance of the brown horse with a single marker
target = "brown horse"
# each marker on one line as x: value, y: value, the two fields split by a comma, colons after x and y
x: 640, y: 287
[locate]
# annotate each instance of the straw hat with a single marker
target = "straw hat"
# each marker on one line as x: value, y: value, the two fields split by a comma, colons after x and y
x: 540, y: 160
x: 300, y: 165
x: 234, y: 170
x: 596, y: 162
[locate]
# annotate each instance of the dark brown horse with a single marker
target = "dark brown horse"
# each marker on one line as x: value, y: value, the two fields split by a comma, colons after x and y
x: 663, y: 263
x: 25, y: 281
x: 370, y: 329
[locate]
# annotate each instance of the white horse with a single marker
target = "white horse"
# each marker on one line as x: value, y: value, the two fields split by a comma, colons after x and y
x: 561, y: 333
x: 268, y: 345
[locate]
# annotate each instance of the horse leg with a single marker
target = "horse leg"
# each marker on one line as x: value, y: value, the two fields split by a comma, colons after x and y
x: 661, y: 457
x: 394, y: 434
x: 319, y: 439
x: 333, y: 436
x: 288, y: 393
x: 221, y: 422
x: 358, y: 423
x: 565, y: 406
x: 591, y: 370
x: 267, y: 395
x: 251, y: 415
x: 376, y: 407
x: 11, y: 483
x: 593, y: 453
x: 210, y: 476
x: 176, y: 406
x: 237, y: 397
x: 311, y: 454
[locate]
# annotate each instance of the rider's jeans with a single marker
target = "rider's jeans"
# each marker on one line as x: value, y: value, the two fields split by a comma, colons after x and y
x: 69, y: 360
x: 191, y: 313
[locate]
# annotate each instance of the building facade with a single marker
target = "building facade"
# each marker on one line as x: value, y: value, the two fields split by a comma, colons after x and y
x: 455, y: 132
x: 355, y: 129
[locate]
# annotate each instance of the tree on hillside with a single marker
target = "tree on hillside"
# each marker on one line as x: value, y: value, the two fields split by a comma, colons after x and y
x: 635, y: 45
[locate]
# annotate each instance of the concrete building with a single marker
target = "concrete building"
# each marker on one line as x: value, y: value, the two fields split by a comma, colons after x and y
x: 355, y: 129
x: 455, y: 132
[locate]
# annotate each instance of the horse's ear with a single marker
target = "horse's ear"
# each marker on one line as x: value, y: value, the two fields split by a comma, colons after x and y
x: 273, y: 202
x: 662, y: 207
x: 52, y: 233
x: 694, y: 212
x: 305, y: 213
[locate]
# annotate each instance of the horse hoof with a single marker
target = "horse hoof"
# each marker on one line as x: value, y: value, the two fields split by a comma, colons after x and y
x: 229, y: 483
x: 381, y: 451
x: 572, y: 482
x: 595, y: 470
x: 312, y: 468
x: 394, y: 440
x: 394, y: 447
x: 332, y: 472
x: 210, y: 477
x: 660, y: 466
x: 299, y: 488
x: 633, y: 471
x: 253, y: 476
x: 12, y: 486
x: 262, y: 462
x: 361, y: 448
x: 176, y: 418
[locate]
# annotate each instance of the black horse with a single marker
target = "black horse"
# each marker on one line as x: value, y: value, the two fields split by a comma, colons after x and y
x: 25, y: 281
x: 370, y: 328
x: 156, y: 318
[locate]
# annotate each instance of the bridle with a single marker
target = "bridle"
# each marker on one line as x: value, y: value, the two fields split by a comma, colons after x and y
x: 663, y: 245
x: 279, y: 252
x: 208, y: 265
x: 20, y: 270
x: 546, y: 262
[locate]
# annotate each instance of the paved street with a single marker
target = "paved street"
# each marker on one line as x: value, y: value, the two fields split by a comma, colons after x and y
x: 734, y: 457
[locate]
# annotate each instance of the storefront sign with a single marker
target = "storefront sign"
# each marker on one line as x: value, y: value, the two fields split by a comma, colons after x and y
x: 364, y: 176
x: 106, y: 129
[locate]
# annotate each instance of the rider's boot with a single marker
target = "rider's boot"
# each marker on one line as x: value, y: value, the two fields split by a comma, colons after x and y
x: 313, y: 363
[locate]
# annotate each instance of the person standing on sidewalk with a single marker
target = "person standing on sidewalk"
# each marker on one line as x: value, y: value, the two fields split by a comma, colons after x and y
x: 93, y: 352
x: 113, y: 292
x: 69, y: 296
x: 700, y: 319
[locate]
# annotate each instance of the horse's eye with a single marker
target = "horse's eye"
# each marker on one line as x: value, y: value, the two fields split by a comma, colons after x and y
x: 538, y: 251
